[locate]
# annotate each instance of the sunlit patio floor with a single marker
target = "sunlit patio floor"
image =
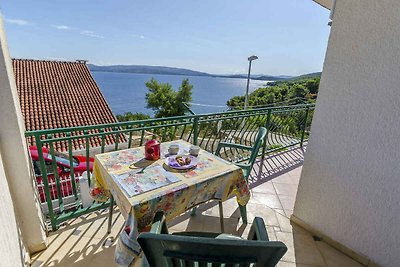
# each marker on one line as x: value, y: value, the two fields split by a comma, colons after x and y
x: 84, y: 241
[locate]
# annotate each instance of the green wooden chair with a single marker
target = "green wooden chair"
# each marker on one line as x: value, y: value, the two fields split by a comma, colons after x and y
x: 238, y: 148
x: 246, y: 166
x: 209, y: 249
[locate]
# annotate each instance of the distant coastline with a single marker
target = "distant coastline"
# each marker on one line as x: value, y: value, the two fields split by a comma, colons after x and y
x: 125, y: 92
x: 145, y: 69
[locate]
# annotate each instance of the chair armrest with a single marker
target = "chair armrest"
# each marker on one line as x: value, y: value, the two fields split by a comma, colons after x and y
x: 231, y: 145
x: 258, y: 230
x: 159, y: 226
x: 243, y: 165
x: 197, y: 234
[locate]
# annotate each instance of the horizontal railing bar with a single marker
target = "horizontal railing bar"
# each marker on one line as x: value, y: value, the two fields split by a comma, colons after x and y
x: 229, y: 118
x: 187, y: 117
x: 288, y: 110
x: 58, y: 139
x: 152, y: 127
x: 206, y: 130
x: 81, y: 211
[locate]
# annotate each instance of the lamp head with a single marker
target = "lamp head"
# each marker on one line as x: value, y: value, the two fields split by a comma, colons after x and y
x: 252, y: 58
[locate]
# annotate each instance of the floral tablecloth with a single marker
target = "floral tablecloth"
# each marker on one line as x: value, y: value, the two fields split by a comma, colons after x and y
x: 213, y: 178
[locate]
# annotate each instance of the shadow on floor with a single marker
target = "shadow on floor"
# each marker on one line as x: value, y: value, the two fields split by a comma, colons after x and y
x: 276, y: 164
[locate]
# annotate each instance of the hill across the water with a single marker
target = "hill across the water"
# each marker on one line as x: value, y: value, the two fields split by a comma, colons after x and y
x: 145, y: 69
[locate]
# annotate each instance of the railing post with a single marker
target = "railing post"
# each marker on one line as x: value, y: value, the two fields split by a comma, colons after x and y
x: 71, y: 166
x: 56, y: 176
x: 267, y: 125
x: 103, y: 141
x: 130, y: 136
x: 45, y: 180
x: 87, y: 149
x: 142, y: 134
x: 188, y: 108
x: 304, y: 127
x: 195, y: 130
x: 116, y: 138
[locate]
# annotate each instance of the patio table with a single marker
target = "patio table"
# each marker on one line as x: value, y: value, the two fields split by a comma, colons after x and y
x: 175, y: 191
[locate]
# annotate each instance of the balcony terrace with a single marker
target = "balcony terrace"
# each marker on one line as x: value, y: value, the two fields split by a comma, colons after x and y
x: 84, y: 241
x: 349, y: 188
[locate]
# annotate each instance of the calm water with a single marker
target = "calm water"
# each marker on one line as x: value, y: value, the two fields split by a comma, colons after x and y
x: 126, y: 91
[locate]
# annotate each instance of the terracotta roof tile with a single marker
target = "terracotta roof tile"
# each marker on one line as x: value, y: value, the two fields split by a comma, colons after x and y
x: 56, y: 94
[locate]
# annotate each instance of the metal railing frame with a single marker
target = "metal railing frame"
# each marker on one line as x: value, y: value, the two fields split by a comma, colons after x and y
x: 276, y: 119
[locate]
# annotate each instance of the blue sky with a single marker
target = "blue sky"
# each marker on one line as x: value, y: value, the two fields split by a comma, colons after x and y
x: 215, y: 36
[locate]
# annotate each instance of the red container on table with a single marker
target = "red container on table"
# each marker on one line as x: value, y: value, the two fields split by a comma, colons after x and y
x: 152, y: 150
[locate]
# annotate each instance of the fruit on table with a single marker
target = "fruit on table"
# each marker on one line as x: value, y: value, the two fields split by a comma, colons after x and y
x: 180, y: 161
x: 99, y: 194
x: 183, y: 161
x: 96, y: 191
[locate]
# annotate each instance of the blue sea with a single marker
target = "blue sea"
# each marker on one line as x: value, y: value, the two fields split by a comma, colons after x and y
x: 126, y: 91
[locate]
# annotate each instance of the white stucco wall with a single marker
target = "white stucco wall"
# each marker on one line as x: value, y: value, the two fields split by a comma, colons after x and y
x: 12, y: 251
x: 325, y: 3
x: 15, y: 156
x: 350, y: 184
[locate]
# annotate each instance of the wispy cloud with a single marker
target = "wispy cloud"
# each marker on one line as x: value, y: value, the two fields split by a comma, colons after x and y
x: 61, y: 27
x: 138, y: 36
x: 20, y: 22
x: 57, y: 58
x: 207, y: 41
x: 92, y: 34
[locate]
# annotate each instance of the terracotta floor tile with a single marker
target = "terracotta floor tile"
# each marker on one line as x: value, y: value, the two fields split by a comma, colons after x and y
x: 73, y: 251
x: 286, y: 264
x: 258, y: 210
x: 284, y: 223
x: 271, y: 233
x: 285, y: 179
x: 287, y: 238
x: 266, y: 187
x: 287, y: 202
x: 281, y: 212
x: 80, y: 241
x: 285, y: 189
x: 230, y: 209
x: 270, y: 200
x: 306, y: 250
x: 288, y: 213
x: 301, y: 249
x: 296, y: 172
x: 334, y: 257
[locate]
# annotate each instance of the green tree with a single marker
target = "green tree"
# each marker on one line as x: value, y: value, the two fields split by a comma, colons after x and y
x: 312, y: 85
x: 129, y: 116
x: 165, y: 101
x: 236, y: 102
x: 184, y: 94
x: 281, y: 93
x: 297, y: 90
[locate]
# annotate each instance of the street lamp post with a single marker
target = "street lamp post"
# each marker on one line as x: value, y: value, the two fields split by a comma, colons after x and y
x: 246, y: 99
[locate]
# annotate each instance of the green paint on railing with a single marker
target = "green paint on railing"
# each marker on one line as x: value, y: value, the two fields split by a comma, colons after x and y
x: 71, y: 167
x: 304, y: 127
x: 56, y: 176
x: 103, y: 141
x: 45, y: 183
x: 285, y: 127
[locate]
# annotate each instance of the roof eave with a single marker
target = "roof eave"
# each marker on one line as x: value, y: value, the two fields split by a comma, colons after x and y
x: 325, y: 3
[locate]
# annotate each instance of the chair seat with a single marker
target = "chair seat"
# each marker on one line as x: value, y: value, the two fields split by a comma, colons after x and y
x: 210, y: 249
x: 209, y: 235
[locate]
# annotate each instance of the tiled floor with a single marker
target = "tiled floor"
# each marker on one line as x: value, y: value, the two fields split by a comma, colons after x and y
x: 84, y: 241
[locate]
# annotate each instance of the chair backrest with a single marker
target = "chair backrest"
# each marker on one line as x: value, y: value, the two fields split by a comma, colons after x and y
x: 258, y: 142
x: 175, y: 250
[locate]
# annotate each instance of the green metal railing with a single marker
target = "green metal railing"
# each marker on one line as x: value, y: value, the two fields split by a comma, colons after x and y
x: 287, y: 126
